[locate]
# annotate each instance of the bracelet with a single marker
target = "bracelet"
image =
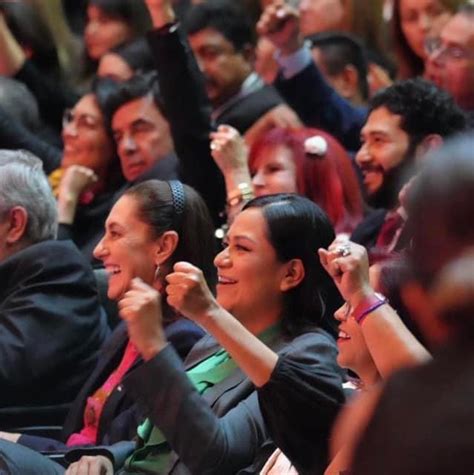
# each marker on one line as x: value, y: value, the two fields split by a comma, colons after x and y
x: 368, y: 305
x: 243, y: 192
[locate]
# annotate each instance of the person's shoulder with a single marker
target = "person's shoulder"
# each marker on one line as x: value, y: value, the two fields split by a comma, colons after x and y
x: 314, y: 341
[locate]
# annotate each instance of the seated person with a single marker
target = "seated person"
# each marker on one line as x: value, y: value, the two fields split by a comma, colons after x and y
x: 286, y: 160
x: 89, y: 175
x: 271, y: 279
x: 51, y: 323
x: 151, y: 226
x: 404, y: 434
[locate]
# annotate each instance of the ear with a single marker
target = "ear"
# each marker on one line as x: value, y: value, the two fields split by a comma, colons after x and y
x: 294, y: 274
x: 430, y: 142
x: 17, y: 221
x: 248, y: 52
x: 166, y: 245
x: 349, y: 82
x: 418, y: 303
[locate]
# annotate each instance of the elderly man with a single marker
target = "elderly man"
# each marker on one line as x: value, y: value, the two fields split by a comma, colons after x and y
x: 51, y: 324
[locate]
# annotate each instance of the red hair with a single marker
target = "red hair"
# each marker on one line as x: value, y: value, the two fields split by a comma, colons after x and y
x: 328, y: 180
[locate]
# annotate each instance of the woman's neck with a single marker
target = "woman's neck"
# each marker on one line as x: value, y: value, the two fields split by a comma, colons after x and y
x: 258, y: 323
x: 368, y: 374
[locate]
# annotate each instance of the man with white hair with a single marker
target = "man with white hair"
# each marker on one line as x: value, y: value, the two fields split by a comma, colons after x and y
x: 51, y: 324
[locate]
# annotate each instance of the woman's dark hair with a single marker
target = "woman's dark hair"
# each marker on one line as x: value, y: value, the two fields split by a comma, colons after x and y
x: 136, y: 54
x: 194, y: 225
x: 31, y: 31
x: 133, y: 12
x: 297, y: 228
x: 102, y: 88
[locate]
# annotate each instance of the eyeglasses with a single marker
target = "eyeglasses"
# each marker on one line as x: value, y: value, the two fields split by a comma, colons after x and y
x: 82, y: 121
x: 456, y: 53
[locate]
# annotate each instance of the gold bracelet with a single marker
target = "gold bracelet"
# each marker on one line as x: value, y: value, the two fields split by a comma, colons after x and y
x: 243, y: 192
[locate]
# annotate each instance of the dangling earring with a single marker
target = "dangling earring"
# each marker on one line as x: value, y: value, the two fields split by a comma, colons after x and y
x: 157, y: 272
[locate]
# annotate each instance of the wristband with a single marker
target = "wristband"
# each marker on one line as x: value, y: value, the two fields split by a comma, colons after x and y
x: 368, y: 305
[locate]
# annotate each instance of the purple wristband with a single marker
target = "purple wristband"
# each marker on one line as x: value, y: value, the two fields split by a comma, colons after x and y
x: 362, y: 310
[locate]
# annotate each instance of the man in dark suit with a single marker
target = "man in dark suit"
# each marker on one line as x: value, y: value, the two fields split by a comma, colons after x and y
x: 222, y: 39
x: 51, y: 324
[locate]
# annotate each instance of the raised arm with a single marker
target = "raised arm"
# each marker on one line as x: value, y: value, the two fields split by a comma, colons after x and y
x: 187, y: 107
x: 301, y: 83
x: 389, y: 341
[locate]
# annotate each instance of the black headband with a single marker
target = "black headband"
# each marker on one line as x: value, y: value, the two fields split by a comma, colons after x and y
x: 178, y: 197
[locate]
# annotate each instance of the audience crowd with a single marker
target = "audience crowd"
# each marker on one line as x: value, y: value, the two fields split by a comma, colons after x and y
x: 236, y: 237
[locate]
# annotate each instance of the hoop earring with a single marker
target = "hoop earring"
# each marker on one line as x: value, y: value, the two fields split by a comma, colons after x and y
x: 157, y: 272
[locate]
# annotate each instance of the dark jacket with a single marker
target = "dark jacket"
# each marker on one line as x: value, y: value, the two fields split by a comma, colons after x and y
x: 226, y: 420
x: 120, y: 416
x: 320, y: 106
x: 51, y: 324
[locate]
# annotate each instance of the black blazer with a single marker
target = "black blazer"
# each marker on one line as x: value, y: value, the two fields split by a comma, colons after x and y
x: 51, y: 325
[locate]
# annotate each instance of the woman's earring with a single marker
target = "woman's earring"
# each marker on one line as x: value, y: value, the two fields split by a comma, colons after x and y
x: 157, y: 272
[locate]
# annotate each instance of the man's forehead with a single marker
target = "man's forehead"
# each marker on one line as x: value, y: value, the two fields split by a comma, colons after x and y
x: 382, y: 120
x: 133, y: 111
x: 208, y: 37
x: 459, y: 30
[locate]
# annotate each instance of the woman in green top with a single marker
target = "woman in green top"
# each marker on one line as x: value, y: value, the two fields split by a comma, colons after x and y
x: 204, y: 417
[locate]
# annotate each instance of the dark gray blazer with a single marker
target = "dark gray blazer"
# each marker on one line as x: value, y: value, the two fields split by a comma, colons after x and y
x: 222, y: 431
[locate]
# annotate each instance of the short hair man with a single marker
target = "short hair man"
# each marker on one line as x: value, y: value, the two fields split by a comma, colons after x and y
x: 405, y: 121
x: 450, y: 64
x: 141, y: 130
x: 222, y: 38
x: 50, y: 319
x: 342, y: 60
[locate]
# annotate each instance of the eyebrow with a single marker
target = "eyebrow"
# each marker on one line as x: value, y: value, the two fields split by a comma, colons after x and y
x: 241, y: 237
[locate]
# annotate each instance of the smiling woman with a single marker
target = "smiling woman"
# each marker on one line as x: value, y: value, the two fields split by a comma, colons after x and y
x: 152, y: 226
x: 270, y: 278
x: 89, y: 175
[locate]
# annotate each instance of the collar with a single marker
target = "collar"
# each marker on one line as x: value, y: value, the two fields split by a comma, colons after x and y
x: 253, y: 83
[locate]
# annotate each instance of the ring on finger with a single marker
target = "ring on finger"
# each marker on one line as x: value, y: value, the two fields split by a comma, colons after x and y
x: 343, y: 250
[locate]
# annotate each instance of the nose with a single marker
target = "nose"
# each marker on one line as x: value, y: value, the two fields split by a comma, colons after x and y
x: 200, y: 62
x: 70, y: 129
x: 303, y: 5
x: 222, y: 259
x: 128, y: 143
x: 363, y: 155
x: 425, y: 23
x: 341, y: 313
x: 100, y: 249
x: 91, y: 27
x: 258, y: 179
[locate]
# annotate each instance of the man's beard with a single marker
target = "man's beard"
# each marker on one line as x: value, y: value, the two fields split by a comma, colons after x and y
x: 393, y: 180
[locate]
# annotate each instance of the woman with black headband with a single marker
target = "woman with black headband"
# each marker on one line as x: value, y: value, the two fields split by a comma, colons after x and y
x: 153, y: 225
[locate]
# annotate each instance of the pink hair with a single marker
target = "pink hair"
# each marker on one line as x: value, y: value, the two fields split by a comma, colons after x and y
x: 330, y: 180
